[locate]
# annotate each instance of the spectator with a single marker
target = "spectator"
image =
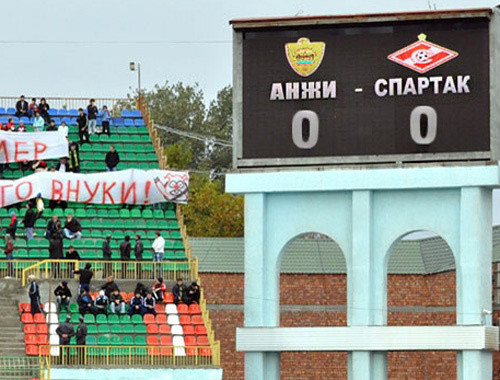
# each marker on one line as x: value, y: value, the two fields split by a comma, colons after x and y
x: 85, y: 276
x: 63, y: 296
x: 43, y: 108
x: 51, y: 226
x: 110, y: 286
x: 106, y: 119
x: 112, y: 159
x: 29, y: 221
x: 65, y: 331
x: 38, y: 123
x: 74, y: 159
x: 136, y: 304
x: 22, y: 127
x: 10, y: 126
x: 125, y: 249
x: 159, y: 288
x: 56, y: 248
x: 40, y: 166
x: 83, y: 126
x: 141, y: 289
x: 106, y: 254
x: 8, y: 251
x: 63, y: 128
x: 138, y: 251
x: 52, y: 126
x: 81, y: 332
x: 12, y: 227
x: 72, y: 228
x: 101, y: 303
x: 180, y: 292
x: 85, y: 302
x: 22, y: 107
x: 40, y: 206
x: 34, y: 293
x: 72, y: 254
x: 193, y: 293
x: 149, y: 304
x: 24, y: 165
x: 62, y: 165
x: 92, y: 112
x: 33, y: 108
x: 159, y: 250
x: 117, y: 303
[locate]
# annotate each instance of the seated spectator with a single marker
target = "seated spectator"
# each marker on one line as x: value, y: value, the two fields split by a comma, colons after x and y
x: 136, y: 304
x: 12, y: 227
x: 72, y: 228
x: 29, y: 221
x: 62, y: 165
x: 52, y: 126
x: 193, y: 294
x: 85, y: 302
x: 141, y: 289
x: 10, y: 126
x: 74, y: 159
x: 40, y: 205
x: 110, y: 286
x: 112, y: 159
x: 101, y: 303
x: 86, y: 275
x: 40, y: 166
x: 43, y: 108
x: 180, y: 292
x: 51, y: 227
x: 63, y: 128
x: 116, y: 302
x: 72, y: 254
x: 149, y: 304
x: 159, y: 288
x: 38, y: 123
x: 22, y: 127
x: 63, y: 296
x: 83, y: 126
x: 22, y: 107
x: 33, y: 108
x: 106, y: 119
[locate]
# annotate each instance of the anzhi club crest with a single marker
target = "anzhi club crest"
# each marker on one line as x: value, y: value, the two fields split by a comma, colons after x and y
x: 305, y: 56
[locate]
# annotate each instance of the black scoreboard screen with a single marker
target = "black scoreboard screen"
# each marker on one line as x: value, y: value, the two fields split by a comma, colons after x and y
x: 375, y: 90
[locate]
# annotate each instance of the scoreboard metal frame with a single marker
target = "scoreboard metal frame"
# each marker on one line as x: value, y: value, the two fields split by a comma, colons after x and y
x: 243, y: 161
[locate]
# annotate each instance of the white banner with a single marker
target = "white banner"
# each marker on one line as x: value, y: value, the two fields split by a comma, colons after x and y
x: 130, y: 186
x: 31, y: 146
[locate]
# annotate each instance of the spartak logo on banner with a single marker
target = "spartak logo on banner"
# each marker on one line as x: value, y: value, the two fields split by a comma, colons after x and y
x: 422, y: 56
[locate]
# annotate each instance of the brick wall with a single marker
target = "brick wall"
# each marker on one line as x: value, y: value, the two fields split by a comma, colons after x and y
x: 315, y: 290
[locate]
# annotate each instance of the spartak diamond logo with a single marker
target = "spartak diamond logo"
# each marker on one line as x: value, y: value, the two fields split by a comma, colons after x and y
x: 422, y: 56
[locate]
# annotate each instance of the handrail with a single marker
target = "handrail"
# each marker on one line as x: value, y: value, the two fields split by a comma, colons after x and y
x: 64, y: 102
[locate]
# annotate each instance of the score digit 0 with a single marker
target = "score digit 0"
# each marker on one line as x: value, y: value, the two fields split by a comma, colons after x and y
x: 415, y: 124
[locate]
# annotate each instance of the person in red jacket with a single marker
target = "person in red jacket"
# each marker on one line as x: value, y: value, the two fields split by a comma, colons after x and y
x: 9, y: 252
x: 11, y: 229
x: 159, y: 288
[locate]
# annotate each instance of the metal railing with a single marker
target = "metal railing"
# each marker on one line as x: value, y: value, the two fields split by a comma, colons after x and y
x: 17, y: 367
x: 64, y: 102
x: 120, y: 270
x: 14, y: 268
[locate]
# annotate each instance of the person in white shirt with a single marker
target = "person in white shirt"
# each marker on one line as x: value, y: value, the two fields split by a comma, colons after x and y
x: 158, y: 247
x: 63, y: 128
x: 38, y: 123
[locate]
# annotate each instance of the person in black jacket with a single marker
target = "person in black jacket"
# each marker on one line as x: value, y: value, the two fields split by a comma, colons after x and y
x: 65, y: 331
x: 92, y: 112
x: 72, y: 228
x: 85, y: 276
x: 193, y: 294
x: 85, y: 302
x: 138, y: 251
x: 72, y: 254
x: 149, y: 304
x: 141, y: 289
x: 43, y: 108
x: 112, y: 159
x: 22, y: 107
x: 81, y: 332
x: 63, y: 295
x: 34, y: 293
x: 83, y: 126
x: 125, y: 249
x: 106, y: 254
x: 109, y: 286
x: 51, y: 227
x: 56, y: 248
x: 180, y: 292
x: 29, y: 221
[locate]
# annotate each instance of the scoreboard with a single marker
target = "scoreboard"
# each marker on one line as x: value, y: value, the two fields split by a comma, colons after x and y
x: 386, y: 88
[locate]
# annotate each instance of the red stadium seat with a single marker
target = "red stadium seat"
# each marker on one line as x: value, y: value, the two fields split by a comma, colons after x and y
x: 165, y: 351
x: 154, y: 351
x: 45, y: 351
x: 188, y: 330
x: 131, y: 295
x: 161, y: 319
x: 194, y: 308
x: 32, y: 350
x: 165, y: 340
x: 160, y: 308
x: 30, y: 339
x: 165, y: 330
x: 190, y: 340
x: 185, y: 320
x: 200, y: 330
x: 192, y: 351
x: 205, y: 351
x: 42, y: 340
x: 27, y: 318
x: 42, y: 329
x: 125, y: 297
x: 203, y: 341
x: 39, y: 318
x: 152, y: 340
x: 149, y: 318
x: 25, y: 308
x: 182, y: 309
x: 197, y: 320
x: 30, y: 328
x: 169, y: 298
x: 152, y: 329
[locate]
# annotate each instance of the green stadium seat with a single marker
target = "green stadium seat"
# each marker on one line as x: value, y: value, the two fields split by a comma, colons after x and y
x: 90, y: 340
x: 129, y: 224
x: 124, y: 213
x: 173, y: 225
x: 44, y: 254
x: 140, y: 340
x: 169, y: 244
x: 89, y: 318
x: 40, y: 223
x: 76, y: 243
x: 131, y: 157
x: 158, y: 214
x: 102, y: 213
x: 92, y: 329
x: 100, y: 166
x: 170, y: 214
x: 76, y: 316
x: 87, y: 148
x: 151, y: 235
x: 62, y: 317
x: 128, y: 329
x: 86, y: 156
x: 88, y: 255
x: 88, y: 165
x: 89, y: 244
x: 96, y: 223
x: 175, y: 235
x: 80, y: 213
x: 151, y: 224
x: 113, y: 319
x: 162, y: 225
x: 143, y: 166
x: 97, y: 234
x: 124, y: 139
x: 44, y: 243
x: 91, y: 213
x: 136, y: 139
x: 103, y: 341
x: 98, y: 156
x: 33, y: 243
x: 142, y: 130
x: 121, y: 166
x: 103, y: 329
x: 20, y: 243
x: 135, y: 213
x: 136, y: 319
x: 101, y: 319
x: 118, y: 235
x: 125, y: 319
x: 127, y: 341
x: 179, y: 245
x: 151, y: 157
x: 116, y: 329
x: 113, y: 214
x: 73, y: 308
x: 118, y: 224
x: 34, y: 254
x: 94, y: 138
x: 141, y: 157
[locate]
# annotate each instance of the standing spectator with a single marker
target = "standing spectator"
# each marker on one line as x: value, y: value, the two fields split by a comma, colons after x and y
x: 38, y: 123
x: 85, y: 302
x: 138, y: 251
x: 43, y: 108
x: 83, y: 126
x: 101, y: 304
x: 63, y: 296
x: 29, y: 221
x: 22, y: 127
x: 159, y: 288
x: 159, y: 250
x: 52, y: 126
x: 8, y: 251
x: 10, y: 126
x: 34, y: 293
x: 92, y: 112
x: 136, y: 304
x: 180, y: 292
x: 85, y: 276
x: 63, y: 128
x: 193, y: 293
x: 125, y: 249
x: 149, y: 304
x: 72, y: 254
x: 62, y: 165
x: 51, y: 227
x: 40, y: 205
x: 106, y: 254
x: 40, y: 166
x: 65, y: 331
x: 22, y: 107
x: 33, y: 108
x: 74, y: 159
x: 81, y: 332
x: 12, y: 227
x: 72, y: 228
x: 109, y: 286
x: 106, y: 119
x: 56, y: 248
x: 117, y: 303
x: 112, y: 159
